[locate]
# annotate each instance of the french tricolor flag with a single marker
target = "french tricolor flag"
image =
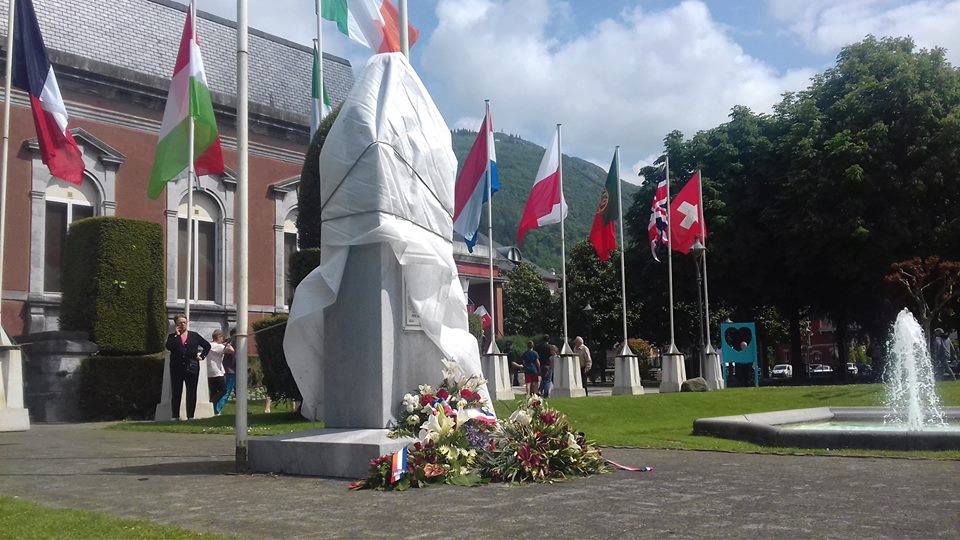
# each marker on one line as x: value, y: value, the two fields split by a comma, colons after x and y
x: 33, y: 74
x: 471, y: 189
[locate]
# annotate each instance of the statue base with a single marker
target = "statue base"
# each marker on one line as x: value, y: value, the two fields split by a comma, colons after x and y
x: 338, y: 453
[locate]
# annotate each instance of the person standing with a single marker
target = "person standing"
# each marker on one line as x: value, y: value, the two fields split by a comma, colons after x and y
x: 216, y: 380
x: 229, y: 372
x: 186, y: 348
x: 530, y: 361
x: 546, y: 370
x: 943, y: 353
x: 585, y: 361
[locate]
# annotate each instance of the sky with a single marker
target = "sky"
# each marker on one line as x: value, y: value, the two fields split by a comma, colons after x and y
x: 620, y: 72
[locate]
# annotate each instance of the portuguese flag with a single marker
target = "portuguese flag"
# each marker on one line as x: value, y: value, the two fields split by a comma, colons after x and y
x: 188, y: 97
x: 603, y: 234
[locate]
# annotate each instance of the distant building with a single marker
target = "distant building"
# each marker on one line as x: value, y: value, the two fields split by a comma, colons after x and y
x: 818, y: 346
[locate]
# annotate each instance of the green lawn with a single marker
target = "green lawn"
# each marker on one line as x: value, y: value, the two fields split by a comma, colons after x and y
x: 649, y: 421
x: 22, y: 519
x: 278, y: 422
x: 666, y: 420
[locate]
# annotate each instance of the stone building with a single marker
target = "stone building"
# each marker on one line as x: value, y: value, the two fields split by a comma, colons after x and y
x: 113, y: 61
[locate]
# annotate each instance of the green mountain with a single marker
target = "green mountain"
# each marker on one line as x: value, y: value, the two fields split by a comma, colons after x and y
x: 517, y: 162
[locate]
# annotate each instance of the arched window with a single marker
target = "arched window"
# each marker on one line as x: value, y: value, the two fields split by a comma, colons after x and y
x: 64, y: 204
x: 206, y: 253
x: 289, y: 248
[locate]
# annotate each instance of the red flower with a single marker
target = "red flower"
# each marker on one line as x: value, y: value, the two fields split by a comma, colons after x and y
x: 527, y: 457
x: 548, y: 417
x: 443, y: 394
x: 447, y: 410
x: 430, y: 470
x: 426, y: 399
x: 469, y: 395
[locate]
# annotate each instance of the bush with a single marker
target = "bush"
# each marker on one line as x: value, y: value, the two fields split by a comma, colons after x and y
x: 302, y: 263
x: 120, y: 387
x: 476, y: 327
x: 114, y: 287
x: 276, y: 373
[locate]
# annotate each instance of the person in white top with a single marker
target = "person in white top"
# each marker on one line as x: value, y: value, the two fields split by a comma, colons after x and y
x: 215, y: 372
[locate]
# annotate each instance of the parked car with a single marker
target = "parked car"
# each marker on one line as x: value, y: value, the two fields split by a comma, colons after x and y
x: 782, y: 371
x: 820, y: 370
x: 852, y: 369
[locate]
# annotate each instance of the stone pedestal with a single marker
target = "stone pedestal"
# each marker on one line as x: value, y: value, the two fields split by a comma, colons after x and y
x: 204, y: 407
x: 13, y: 415
x: 566, y: 378
x: 341, y: 453
x: 712, y: 372
x: 51, y: 372
x: 626, y: 376
x: 672, y: 372
x: 497, y: 372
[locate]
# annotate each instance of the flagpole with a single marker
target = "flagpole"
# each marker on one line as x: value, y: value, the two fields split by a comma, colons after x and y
x: 243, y: 245
x: 320, y: 59
x: 673, y: 344
x: 404, y: 30
x: 625, y: 350
x: 563, y: 243
x: 190, y: 173
x: 492, y: 349
x: 6, y: 145
x: 706, y: 295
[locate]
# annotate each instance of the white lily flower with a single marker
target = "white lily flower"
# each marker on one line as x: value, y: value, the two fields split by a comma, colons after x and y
x: 572, y: 441
x: 521, y: 417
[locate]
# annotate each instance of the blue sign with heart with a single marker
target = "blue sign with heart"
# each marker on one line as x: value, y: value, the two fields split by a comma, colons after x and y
x: 739, y: 342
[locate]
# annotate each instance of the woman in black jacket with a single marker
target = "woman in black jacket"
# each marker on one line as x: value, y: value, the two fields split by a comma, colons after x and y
x: 186, y: 348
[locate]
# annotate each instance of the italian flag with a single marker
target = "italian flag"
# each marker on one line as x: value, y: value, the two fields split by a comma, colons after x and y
x: 374, y: 23
x: 189, y: 97
x: 321, y: 108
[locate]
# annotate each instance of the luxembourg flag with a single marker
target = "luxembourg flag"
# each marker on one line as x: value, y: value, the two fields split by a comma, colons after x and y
x: 33, y: 74
x: 470, y: 191
x: 546, y: 204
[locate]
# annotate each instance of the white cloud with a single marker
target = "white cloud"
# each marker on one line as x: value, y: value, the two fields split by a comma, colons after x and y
x: 827, y: 25
x: 629, y: 80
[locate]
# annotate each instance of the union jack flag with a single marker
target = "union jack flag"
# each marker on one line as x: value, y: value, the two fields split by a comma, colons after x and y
x: 657, y: 230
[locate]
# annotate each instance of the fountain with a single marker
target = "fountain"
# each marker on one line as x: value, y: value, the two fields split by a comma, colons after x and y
x: 911, y: 418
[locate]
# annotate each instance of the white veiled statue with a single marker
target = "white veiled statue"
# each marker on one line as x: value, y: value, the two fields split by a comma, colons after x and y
x: 387, y: 177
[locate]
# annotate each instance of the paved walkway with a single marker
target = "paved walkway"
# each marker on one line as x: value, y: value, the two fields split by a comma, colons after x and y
x: 186, y: 480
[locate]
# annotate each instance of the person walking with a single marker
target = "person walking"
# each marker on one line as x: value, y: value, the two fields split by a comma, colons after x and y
x: 216, y: 375
x: 229, y: 372
x: 530, y: 361
x: 546, y: 370
x: 943, y: 353
x: 186, y: 348
x: 585, y: 361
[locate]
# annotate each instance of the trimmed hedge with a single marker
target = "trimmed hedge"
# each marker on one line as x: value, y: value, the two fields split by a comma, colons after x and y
x: 276, y: 373
x: 113, y: 286
x: 308, y: 190
x: 302, y: 263
x: 120, y: 387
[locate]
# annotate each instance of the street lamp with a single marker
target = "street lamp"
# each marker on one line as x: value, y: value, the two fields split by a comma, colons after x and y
x: 697, y: 250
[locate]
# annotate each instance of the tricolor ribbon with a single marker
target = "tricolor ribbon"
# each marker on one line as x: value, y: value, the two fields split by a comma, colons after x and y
x: 399, y: 466
x: 620, y: 467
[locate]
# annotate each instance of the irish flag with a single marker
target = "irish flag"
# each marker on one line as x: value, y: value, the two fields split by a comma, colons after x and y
x: 321, y: 107
x: 189, y: 97
x: 374, y: 23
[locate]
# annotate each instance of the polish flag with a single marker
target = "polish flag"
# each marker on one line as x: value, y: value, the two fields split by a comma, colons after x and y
x: 33, y: 74
x: 545, y: 205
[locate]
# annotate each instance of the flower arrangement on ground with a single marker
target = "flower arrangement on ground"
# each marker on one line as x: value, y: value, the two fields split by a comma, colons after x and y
x: 461, y: 442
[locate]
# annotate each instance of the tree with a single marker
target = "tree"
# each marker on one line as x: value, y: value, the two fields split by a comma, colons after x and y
x: 590, y: 281
x: 528, y: 306
x: 930, y: 285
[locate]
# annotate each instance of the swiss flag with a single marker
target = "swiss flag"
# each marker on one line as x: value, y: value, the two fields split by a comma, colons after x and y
x: 686, y: 216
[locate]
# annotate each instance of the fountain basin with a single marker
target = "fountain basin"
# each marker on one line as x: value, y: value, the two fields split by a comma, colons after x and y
x: 832, y: 427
